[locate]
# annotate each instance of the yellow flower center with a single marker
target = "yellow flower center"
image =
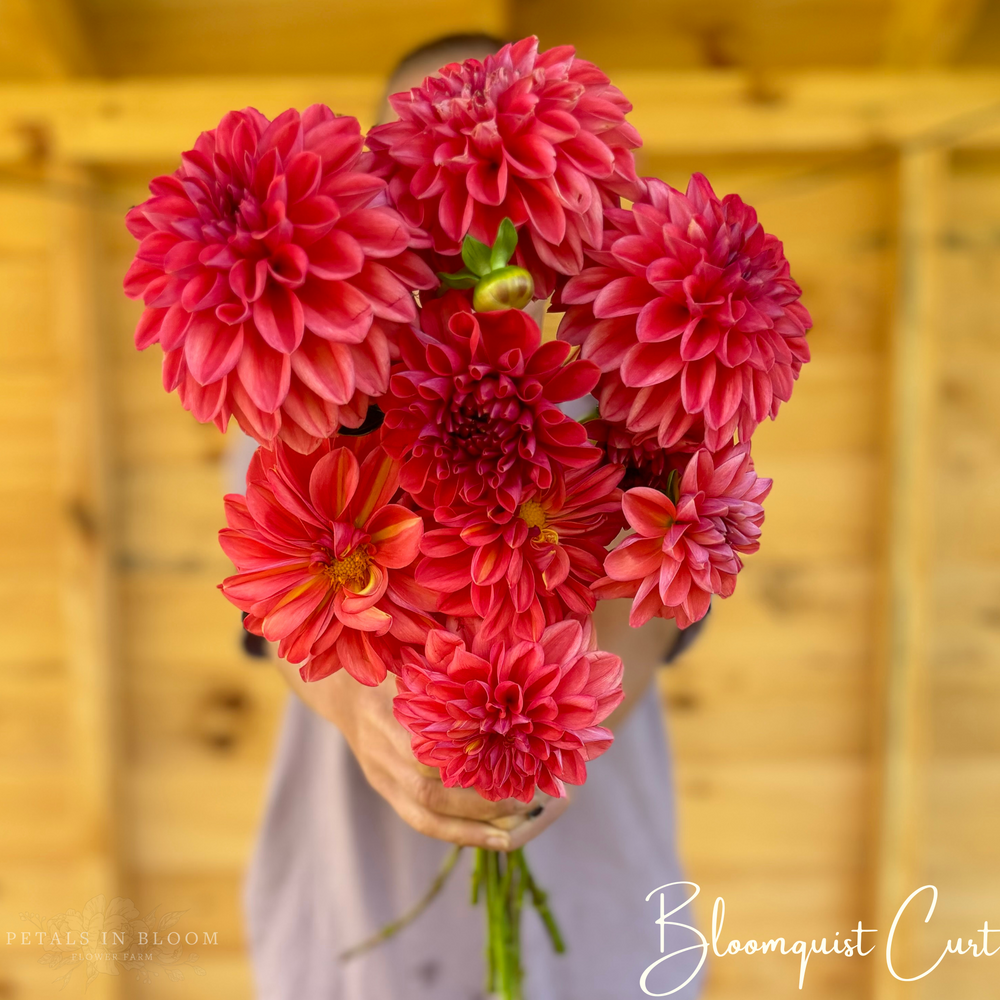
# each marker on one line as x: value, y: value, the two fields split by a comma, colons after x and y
x: 352, y: 571
x: 533, y: 515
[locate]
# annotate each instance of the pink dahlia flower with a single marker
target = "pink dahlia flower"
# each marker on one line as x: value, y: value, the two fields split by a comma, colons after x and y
x: 686, y: 547
x: 272, y: 275
x: 322, y: 559
x: 539, y: 138
x: 504, y: 718
x: 473, y: 410
x: 536, y: 568
x: 690, y: 311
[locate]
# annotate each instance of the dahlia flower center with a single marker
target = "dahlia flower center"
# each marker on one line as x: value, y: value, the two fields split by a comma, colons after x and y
x: 533, y: 515
x: 351, y: 572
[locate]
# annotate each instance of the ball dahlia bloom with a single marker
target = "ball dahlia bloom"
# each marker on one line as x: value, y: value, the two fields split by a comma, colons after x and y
x: 505, y: 718
x: 691, y: 313
x: 536, y: 137
x: 472, y: 411
x: 273, y: 275
x: 686, y: 547
x: 322, y: 559
x: 534, y: 569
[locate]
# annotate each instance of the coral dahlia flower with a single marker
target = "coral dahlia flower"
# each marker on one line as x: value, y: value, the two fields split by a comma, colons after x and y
x: 504, y: 718
x: 536, y: 137
x: 686, y: 547
x: 273, y: 275
x: 322, y: 559
x: 534, y: 569
x: 473, y: 412
x: 690, y: 311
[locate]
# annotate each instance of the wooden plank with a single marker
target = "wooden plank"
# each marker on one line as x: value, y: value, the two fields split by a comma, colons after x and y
x: 87, y: 575
x: 142, y: 121
x: 792, y: 815
x: 927, y: 32
x: 165, y: 834
x: 922, y: 177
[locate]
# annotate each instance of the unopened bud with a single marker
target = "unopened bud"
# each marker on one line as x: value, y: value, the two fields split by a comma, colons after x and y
x: 510, y: 287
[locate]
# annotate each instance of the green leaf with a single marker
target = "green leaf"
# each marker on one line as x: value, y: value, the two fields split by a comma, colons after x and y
x: 504, y: 245
x: 460, y: 279
x: 476, y: 256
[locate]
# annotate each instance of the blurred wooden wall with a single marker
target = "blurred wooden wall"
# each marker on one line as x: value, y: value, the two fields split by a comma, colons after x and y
x: 834, y: 732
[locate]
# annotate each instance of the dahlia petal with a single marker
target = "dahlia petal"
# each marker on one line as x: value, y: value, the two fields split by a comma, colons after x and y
x: 378, y: 480
x: 326, y: 367
x: 263, y: 372
x: 456, y: 210
x: 650, y: 364
x: 335, y: 310
x: 278, y: 316
x: 334, y: 482
x: 623, y: 297
x: 378, y: 231
x: 360, y: 659
x: 697, y: 381
x: 633, y: 559
x: 211, y: 349
x: 294, y: 608
x: 395, y: 533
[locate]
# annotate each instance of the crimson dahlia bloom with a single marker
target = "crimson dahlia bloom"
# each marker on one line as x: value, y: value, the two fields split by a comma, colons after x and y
x: 322, y: 559
x: 505, y: 717
x: 536, y: 137
x: 687, y: 547
x: 273, y: 276
x: 536, y: 568
x: 472, y: 408
x: 691, y: 313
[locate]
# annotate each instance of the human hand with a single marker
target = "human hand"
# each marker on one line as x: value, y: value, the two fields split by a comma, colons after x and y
x: 382, y: 748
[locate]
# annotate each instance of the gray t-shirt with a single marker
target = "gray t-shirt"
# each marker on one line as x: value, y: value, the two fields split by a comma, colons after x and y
x: 334, y: 864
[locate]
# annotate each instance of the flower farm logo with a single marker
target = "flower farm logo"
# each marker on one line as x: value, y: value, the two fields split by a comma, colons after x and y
x: 113, y: 939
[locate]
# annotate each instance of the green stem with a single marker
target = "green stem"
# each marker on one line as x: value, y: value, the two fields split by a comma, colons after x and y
x: 393, y: 928
x: 478, y: 874
x: 540, y: 900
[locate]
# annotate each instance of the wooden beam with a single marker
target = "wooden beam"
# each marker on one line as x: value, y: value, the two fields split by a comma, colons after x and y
x: 88, y: 584
x: 923, y: 33
x: 922, y: 178
x: 46, y: 39
x: 704, y: 113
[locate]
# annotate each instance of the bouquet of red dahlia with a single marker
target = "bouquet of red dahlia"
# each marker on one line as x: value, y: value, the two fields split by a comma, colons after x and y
x: 421, y: 503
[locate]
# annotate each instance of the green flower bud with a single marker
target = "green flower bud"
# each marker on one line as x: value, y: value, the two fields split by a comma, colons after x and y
x: 507, y: 288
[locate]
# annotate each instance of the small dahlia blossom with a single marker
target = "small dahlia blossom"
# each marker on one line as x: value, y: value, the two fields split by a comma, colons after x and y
x: 472, y: 410
x: 691, y: 313
x: 686, y: 547
x: 322, y: 559
x: 536, y: 137
x: 534, y: 569
x: 505, y: 717
x: 640, y: 455
x: 273, y: 275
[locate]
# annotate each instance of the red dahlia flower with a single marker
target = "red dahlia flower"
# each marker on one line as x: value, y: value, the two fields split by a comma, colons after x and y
x: 505, y: 718
x: 691, y: 312
x: 321, y: 557
x: 536, y: 568
x: 472, y: 409
x: 644, y: 461
x: 686, y: 547
x: 272, y: 274
x: 539, y: 138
